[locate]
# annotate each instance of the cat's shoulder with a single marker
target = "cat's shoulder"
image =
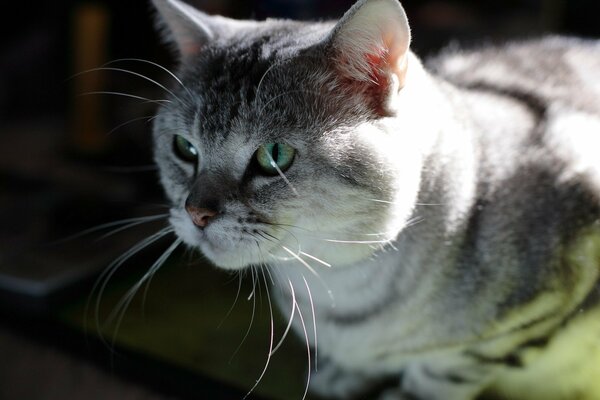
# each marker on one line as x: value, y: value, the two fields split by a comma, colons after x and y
x: 558, y: 71
x: 513, y: 57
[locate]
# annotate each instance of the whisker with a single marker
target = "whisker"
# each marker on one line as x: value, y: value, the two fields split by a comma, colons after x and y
x: 141, y: 60
x: 266, y: 266
x: 307, y: 350
x: 275, y: 64
x: 316, y: 259
x: 264, y: 235
x: 281, y: 174
x: 414, y: 221
x: 237, y: 295
x: 393, y: 202
x: 307, y: 230
x: 123, y: 304
x: 253, y: 292
x: 126, y: 71
x: 108, y: 273
x: 357, y: 241
x: 133, y: 96
x: 253, y: 297
x: 291, y: 319
x: 272, y: 335
x: 107, y: 225
x: 312, y: 271
x: 132, y: 224
x: 314, y: 318
x: 152, y: 271
x: 260, y: 112
x: 303, y: 262
x: 273, y: 238
x: 148, y: 118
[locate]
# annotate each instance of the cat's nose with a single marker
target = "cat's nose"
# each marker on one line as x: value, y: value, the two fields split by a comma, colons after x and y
x: 200, y: 216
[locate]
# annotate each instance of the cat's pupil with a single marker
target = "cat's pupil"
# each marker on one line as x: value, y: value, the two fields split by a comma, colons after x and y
x: 185, y: 150
x: 274, y: 157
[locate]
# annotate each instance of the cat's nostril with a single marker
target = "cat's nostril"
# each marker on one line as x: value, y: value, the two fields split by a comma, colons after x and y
x: 200, y: 216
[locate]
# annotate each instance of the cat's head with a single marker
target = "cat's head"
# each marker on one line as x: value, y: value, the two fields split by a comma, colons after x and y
x: 285, y: 139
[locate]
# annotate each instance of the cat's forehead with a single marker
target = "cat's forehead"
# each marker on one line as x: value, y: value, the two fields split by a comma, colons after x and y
x: 239, y: 92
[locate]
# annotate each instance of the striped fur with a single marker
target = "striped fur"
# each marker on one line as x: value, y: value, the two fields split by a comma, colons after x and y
x: 440, y: 224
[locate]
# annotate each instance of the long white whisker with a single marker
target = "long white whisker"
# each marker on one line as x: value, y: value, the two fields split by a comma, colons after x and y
x: 253, y: 292
x: 290, y: 321
x: 414, y: 221
x: 318, y: 234
x: 133, y: 96
x: 266, y: 266
x: 272, y: 335
x: 357, y: 241
x: 253, y: 297
x: 145, y: 220
x: 307, y: 350
x: 126, y: 71
x: 107, y: 225
x: 154, y: 64
x: 312, y: 271
x: 276, y: 64
x: 148, y: 118
x: 281, y: 174
x: 314, y: 318
x: 303, y: 262
x: 393, y: 202
x: 285, y: 94
x: 237, y: 296
x: 152, y: 271
x: 316, y: 259
x: 123, y: 304
x: 112, y: 268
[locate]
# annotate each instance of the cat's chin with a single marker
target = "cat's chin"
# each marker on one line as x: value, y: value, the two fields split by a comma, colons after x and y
x: 233, y: 257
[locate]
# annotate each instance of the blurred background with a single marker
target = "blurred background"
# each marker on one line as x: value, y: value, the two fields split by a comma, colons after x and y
x: 72, y: 161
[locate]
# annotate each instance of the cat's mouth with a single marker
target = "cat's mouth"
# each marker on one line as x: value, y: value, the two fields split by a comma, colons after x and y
x: 225, y: 243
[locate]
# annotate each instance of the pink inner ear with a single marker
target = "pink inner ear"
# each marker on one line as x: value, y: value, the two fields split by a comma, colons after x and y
x: 377, y: 67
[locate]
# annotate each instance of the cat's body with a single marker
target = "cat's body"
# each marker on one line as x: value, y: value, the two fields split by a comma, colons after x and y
x: 443, y: 230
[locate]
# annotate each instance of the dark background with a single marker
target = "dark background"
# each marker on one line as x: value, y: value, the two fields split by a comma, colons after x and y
x: 36, y: 44
x: 64, y: 167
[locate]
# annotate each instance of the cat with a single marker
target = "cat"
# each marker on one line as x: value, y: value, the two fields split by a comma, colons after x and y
x: 433, y: 229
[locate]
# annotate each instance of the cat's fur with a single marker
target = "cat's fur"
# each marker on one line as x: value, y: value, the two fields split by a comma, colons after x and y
x: 458, y: 209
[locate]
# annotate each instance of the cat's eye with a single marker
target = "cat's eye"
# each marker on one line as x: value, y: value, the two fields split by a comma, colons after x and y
x: 272, y: 157
x: 184, y: 149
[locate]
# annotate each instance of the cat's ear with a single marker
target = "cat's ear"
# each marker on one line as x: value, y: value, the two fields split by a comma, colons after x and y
x: 371, y: 42
x: 184, y: 26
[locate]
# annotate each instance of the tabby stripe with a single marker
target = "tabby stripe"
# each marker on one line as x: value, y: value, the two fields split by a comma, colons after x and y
x: 512, y: 360
x: 537, y: 105
x: 451, y: 377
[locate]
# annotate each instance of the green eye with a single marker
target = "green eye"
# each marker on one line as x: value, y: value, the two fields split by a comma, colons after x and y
x: 273, y: 156
x: 185, y: 150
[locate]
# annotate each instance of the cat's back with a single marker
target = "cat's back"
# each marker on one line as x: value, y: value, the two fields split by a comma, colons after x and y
x: 534, y: 107
x: 534, y: 102
x: 555, y: 71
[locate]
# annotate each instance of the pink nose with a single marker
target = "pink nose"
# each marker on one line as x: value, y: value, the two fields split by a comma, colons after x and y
x: 200, y: 216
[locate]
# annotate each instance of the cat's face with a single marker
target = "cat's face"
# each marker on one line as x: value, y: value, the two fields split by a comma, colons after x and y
x: 267, y: 151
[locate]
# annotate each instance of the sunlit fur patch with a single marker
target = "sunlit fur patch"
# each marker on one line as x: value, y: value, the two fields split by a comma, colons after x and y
x: 557, y: 367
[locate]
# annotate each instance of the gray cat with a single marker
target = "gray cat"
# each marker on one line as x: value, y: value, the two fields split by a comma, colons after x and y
x: 434, y: 234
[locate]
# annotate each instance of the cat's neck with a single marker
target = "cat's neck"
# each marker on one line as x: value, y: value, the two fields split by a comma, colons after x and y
x: 433, y: 111
x: 428, y: 110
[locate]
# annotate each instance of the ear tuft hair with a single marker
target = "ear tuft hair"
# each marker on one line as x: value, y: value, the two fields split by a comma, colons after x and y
x: 372, y: 41
x: 184, y: 26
